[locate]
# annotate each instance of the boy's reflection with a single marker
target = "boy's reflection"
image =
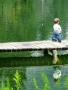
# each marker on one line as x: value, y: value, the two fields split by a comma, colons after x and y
x: 57, y: 73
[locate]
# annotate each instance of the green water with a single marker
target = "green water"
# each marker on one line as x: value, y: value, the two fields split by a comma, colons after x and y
x: 28, y: 73
x: 31, y: 20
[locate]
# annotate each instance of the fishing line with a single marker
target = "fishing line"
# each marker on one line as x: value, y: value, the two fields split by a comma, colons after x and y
x: 49, y: 12
x: 44, y: 5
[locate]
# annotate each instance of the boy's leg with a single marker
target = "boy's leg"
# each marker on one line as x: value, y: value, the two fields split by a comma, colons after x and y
x: 54, y: 37
x: 59, y: 37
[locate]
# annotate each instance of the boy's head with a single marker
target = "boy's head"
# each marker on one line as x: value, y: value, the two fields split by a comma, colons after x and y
x: 56, y: 20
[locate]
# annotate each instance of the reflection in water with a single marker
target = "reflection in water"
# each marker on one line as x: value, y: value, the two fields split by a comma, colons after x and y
x: 56, y: 60
x: 37, y: 54
x: 54, y: 54
x: 25, y: 61
x: 32, y: 61
x: 57, y: 73
x: 30, y: 72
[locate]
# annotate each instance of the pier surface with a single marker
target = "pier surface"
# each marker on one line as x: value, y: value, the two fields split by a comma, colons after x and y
x: 33, y: 45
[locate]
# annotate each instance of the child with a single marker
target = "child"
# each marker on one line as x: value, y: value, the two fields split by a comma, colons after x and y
x: 57, y: 31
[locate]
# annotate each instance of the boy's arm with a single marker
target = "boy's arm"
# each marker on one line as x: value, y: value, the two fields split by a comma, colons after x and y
x: 60, y: 29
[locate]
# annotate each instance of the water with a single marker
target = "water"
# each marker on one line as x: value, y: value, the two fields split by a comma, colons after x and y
x: 30, y: 20
x: 29, y: 73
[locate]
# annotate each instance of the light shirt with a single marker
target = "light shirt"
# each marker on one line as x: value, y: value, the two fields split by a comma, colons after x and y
x: 57, y: 28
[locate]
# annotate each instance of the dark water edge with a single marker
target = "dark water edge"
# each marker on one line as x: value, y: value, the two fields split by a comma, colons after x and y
x: 25, y: 61
x: 32, y: 61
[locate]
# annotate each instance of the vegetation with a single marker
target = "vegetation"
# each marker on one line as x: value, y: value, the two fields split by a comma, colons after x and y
x: 58, y: 84
x: 66, y: 83
x: 7, y: 85
x: 46, y: 83
x: 17, y: 79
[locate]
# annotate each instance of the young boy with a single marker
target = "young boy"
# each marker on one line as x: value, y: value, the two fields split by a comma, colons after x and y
x: 57, y: 31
